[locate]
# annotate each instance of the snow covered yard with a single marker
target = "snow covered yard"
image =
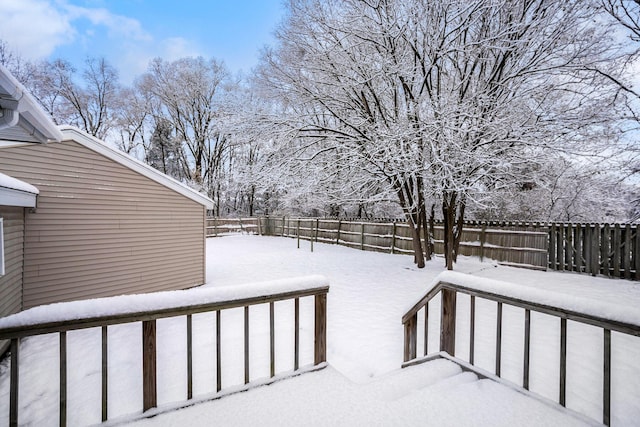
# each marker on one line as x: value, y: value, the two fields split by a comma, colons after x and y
x: 369, y: 294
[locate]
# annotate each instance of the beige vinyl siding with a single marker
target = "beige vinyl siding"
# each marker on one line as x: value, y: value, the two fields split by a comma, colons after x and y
x: 11, y: 281
x: 102, y: 229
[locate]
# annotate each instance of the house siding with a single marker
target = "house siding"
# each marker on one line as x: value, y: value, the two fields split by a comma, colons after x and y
x: 11, y: 281
x: 101, y: 229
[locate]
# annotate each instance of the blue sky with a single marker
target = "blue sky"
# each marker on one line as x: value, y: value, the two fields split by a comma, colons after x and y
x: 128, y: 33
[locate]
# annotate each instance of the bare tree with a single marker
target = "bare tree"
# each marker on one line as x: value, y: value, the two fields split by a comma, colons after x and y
x: 90, y: 106
x: 188, y: 92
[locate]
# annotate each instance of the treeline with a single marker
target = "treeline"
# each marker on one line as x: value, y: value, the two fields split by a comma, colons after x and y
x: 501, y: 110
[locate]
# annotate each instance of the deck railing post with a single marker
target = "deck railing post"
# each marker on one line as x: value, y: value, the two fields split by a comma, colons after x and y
x: 320, y: 347
x: 606, y: 383
x: 105, y: 371
x: 448, y: 322
x: 411, y: 338
x: 14, y: 382
x: 63, y: 379
x: 149, y: 378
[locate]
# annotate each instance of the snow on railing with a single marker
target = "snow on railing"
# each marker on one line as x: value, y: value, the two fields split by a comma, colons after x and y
x: 607, y: 316
x: 147, y: 308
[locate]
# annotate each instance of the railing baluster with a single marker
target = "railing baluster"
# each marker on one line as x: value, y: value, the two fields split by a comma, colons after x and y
x: 472, y: 327
x: 13, y: 383
x: 105, y: 371
x: 272, y: 339
x: 218, y: 353
x: 246, y: 344
x: 499, y: 339
x: 606, y: 384
x: 63, y: 379
x: 189, y: 356
x: 563, y: 361
x: 296, y: 334
x: 426, y: 329
x: 527, y: 348
x: 149, y: 377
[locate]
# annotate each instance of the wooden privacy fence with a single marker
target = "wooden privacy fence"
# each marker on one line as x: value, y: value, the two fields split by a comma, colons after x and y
x: 523, y: 246
x: 449, y: 290
x: 609, y: 249
x: 216, y: 226
x: 148, y: 319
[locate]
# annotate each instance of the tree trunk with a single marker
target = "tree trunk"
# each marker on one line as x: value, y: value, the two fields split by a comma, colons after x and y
x: 418, y: 256
x: 453, y: 214
x: 448, y: 214
x: 412, y: 214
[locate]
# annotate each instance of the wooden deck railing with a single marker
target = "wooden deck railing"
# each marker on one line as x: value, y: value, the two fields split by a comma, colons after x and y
x: 449, y: 290
x: 148, y: 319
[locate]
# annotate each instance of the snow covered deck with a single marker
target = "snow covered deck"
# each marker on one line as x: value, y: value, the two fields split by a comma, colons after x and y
x: 369, y: 293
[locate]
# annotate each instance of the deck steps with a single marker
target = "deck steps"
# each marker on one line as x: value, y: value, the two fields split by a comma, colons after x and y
x: 435, y: 393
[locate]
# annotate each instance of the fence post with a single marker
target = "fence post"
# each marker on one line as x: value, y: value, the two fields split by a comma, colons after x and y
x: 448, y: 322
x: 393, y: 239
x: 579, y: 244
x: 561, y: 247
x: 616, y: 250
x: 311, y: 234
x: 483, y: 238
x: 636, y: 255
x: 320, y: 345
x: 595, y: 241
x: 298, y: 233
x: 149, y: 389
x: 362, y: 237
x: 338, y: 237
x: 627, y: 252
x: 552, y: 247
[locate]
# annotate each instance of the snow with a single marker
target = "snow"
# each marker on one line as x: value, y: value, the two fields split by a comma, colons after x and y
x: 369, y: 293
x: 131, y: 304
x: 428, y: 394
x: 7, y: 181
x: 577, y: 303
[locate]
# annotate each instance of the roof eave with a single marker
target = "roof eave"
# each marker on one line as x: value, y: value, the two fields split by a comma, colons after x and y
x: 32, y: 118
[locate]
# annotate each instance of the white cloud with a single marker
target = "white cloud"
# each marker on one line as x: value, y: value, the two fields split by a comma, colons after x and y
x: 34, y: 28
x: 178, y: 47
x: 117, y: 25
x: 135, y: 58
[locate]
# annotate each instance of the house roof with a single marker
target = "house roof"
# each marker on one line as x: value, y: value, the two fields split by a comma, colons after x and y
x: 14, y: 192
x: 74, y: 134
x: 22, y: 119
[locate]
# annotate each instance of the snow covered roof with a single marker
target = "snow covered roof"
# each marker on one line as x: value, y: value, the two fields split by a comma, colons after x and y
x: 74, y: 134
x: 14, y: 192
x: 22, y: 119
